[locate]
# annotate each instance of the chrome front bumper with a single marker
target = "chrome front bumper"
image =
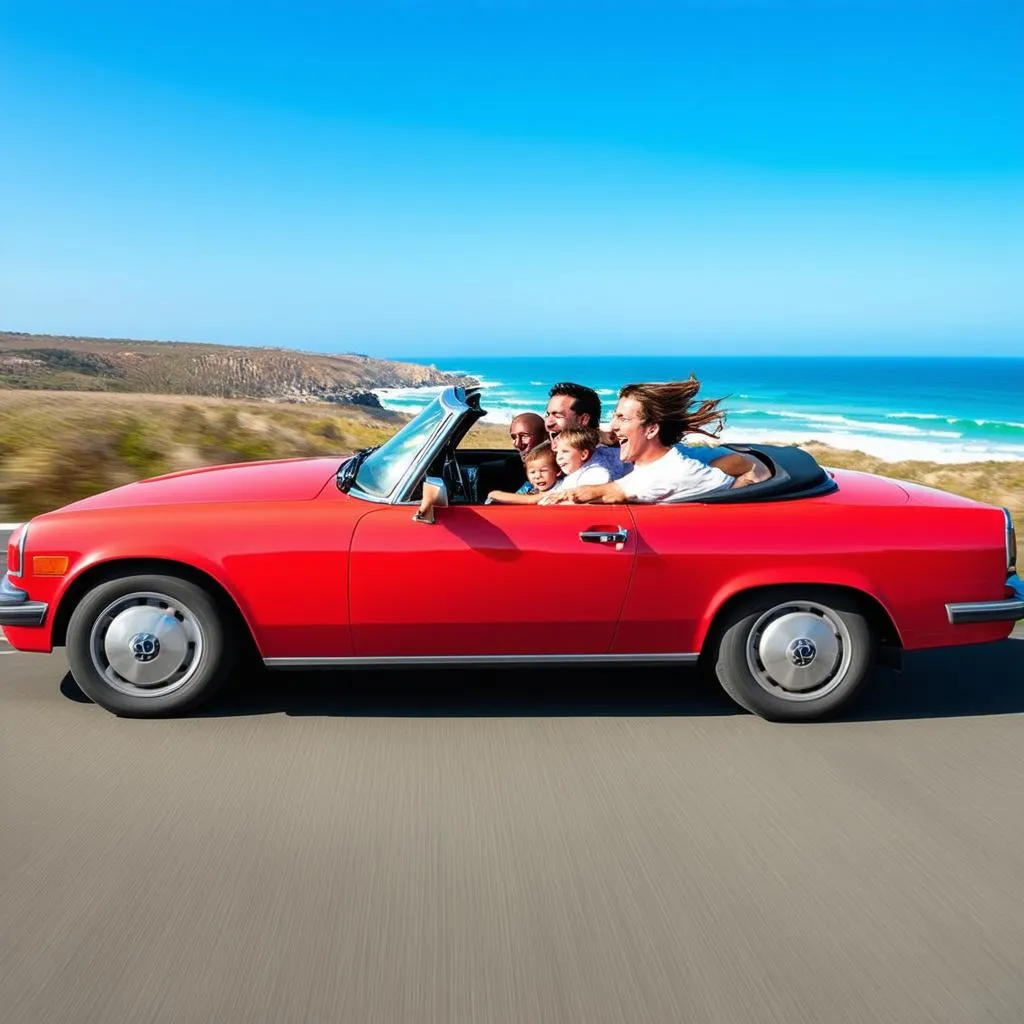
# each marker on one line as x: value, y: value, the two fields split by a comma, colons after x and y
x: 15, y: 607
x: 990, y: 611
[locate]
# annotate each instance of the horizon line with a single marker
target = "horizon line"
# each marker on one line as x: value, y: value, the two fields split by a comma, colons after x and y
x: 682, y: 355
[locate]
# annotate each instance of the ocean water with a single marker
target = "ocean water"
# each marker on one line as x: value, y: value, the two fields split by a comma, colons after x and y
x: 941, y: 410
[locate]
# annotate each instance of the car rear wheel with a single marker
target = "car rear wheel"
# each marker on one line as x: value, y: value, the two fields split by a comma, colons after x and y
x: 794, y: 656
x: 148, y: 645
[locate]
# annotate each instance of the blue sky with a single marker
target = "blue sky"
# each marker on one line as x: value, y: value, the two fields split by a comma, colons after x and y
x: 439, y: 179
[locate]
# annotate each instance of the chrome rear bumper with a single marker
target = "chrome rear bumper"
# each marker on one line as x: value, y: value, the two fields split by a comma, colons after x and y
x: 990, y: 611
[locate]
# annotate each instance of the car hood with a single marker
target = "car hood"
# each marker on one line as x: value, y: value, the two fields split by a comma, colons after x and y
x: 282, y: 480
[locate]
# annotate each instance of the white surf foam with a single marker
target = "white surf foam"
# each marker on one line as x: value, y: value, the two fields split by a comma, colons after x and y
x: 890, y: 449
x: 422, y: 396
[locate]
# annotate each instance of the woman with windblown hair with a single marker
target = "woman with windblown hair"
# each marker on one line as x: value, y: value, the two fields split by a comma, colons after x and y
x: 649, y: 421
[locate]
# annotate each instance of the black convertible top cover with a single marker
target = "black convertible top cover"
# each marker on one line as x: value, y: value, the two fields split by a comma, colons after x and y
x: 795, y: 474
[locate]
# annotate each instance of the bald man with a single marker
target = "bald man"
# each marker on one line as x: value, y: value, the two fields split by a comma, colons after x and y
x: 526, y: 431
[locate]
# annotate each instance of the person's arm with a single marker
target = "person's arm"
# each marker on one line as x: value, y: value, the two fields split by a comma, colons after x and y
x: 733, y: 464
x: 589, y: 494
x: 508, y: 498
x: 756, y: 472
x: 745, y: 468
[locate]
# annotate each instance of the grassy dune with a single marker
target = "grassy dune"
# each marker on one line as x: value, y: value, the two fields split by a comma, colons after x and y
x: 996, y: 483
x: 56, y: 447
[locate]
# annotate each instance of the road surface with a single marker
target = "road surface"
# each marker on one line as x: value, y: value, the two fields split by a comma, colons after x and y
x: 475, y: 847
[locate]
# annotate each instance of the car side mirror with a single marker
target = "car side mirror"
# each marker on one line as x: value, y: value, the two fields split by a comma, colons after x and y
x: 435, y: 495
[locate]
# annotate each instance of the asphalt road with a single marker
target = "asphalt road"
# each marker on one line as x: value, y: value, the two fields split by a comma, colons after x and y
x: 475, y: 847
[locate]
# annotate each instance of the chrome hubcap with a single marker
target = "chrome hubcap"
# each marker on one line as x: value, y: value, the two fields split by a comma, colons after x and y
x: 146, y: 644
x: 799, y: 651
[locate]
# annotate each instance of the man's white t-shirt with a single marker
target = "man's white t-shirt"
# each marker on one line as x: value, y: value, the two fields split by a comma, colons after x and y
x: 671, y: 478
x: 588, y: 473
x: 607, y: 455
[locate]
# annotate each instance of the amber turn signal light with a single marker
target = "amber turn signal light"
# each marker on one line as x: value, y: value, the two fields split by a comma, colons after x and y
x: 50, y: 565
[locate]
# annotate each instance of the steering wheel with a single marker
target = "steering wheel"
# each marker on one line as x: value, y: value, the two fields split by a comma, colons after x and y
x: 451, y: 474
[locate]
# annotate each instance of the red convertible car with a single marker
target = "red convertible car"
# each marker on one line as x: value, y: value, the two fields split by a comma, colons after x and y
x: 789, y: 590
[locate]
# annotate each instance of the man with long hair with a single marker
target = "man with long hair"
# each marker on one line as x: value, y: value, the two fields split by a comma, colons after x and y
x: 649, y: 422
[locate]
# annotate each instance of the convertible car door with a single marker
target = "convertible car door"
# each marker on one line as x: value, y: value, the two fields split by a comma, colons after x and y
x: 489, y: 580
x: 686, y: 553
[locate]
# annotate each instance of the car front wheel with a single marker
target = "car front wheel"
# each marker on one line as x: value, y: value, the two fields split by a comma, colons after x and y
x: 148, y: 645
x: 794, y: 656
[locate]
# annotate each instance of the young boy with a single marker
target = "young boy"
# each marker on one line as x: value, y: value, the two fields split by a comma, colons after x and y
x: 574, y: 449
x: 541, y: 475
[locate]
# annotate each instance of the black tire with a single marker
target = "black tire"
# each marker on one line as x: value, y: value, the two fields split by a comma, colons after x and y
x: 110, y: 639
x: 795, y: 654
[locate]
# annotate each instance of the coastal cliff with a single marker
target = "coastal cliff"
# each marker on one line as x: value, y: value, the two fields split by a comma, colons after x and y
x: 64, y: 363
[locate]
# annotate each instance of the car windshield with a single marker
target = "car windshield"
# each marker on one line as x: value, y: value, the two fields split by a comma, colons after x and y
x: 386, y: 465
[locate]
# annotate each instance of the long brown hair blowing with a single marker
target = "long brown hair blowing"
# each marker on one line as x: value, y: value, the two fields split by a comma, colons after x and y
x: 668, y: 405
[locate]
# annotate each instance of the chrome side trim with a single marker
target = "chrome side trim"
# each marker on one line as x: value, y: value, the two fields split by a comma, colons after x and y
x: 21, y: 555
x: 985, y: 611
x: 1010, y: 538
x: 482, y: 659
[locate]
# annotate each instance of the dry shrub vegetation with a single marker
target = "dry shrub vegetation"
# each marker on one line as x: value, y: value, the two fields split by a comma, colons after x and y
x: 57, y: 447
x: 995, y: 483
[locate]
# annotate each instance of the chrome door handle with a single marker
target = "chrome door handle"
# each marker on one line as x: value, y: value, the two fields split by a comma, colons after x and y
x: 617, y: 536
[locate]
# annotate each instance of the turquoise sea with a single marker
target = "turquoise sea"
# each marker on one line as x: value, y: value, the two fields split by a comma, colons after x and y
x: 942, y: 409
